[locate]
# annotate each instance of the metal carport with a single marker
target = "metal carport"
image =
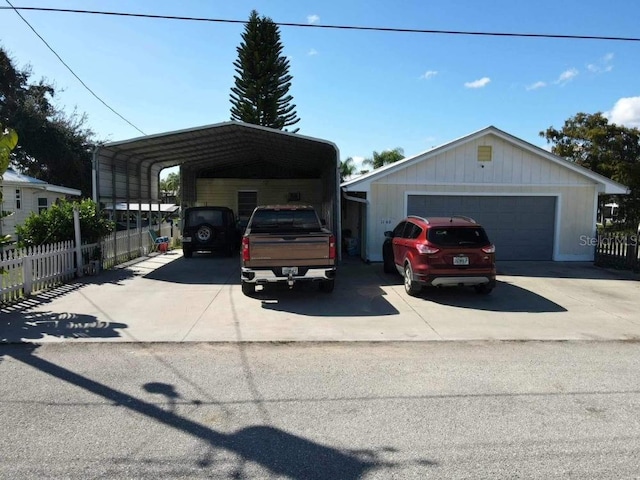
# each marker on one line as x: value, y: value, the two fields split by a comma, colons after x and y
x: 129, y: 171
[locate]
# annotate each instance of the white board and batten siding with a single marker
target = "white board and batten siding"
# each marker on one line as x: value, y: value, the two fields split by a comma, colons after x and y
x: 224, y: 191
x: 514, y: 171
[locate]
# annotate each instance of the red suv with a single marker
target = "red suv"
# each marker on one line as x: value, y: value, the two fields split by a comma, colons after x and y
x: 439, y: 252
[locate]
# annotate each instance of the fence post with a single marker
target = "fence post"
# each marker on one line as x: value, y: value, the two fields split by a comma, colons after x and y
x: 632, y: 253
x: 76, y: 228
x: 27, y: 272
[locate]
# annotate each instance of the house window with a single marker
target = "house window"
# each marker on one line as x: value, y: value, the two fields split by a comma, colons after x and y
x: 43, y: 203
x: 484, y: 153
x: 247, y: 201
x: 18, y: 199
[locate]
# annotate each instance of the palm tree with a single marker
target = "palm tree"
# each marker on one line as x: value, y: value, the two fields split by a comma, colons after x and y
x: 384, y: 158
x: 347, y: 169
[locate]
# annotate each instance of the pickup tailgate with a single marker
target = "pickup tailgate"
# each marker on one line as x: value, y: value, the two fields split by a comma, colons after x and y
x: 278, y: 250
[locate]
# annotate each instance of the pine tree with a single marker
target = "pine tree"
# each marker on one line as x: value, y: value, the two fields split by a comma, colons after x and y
x: 261, y: 92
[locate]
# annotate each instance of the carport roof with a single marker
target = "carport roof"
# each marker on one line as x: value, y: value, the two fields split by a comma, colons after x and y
x: 225, y: 146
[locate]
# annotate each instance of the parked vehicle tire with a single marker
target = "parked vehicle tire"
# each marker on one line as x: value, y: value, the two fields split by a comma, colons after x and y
x: 248, y: 288
x: 410, y: 286
x: 483, y: 289
x: 187, y: 252
x: 388, y: 263
x: 327, y: 286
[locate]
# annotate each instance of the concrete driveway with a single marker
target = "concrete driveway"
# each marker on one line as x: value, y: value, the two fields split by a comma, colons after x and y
x: 167, y: 298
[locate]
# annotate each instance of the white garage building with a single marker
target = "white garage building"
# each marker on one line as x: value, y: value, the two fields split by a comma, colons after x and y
x: 533, y: 204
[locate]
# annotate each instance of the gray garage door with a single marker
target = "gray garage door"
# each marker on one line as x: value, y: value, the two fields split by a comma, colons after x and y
x: 521, y: 228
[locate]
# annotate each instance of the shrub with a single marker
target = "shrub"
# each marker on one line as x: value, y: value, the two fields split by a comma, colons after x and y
x: 55, y: 224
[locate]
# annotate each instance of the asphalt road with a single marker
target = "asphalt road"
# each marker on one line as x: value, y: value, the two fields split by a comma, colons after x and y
x: 321, y: 411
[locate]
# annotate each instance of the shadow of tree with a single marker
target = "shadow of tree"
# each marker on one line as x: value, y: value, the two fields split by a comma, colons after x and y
x: 33, y: 326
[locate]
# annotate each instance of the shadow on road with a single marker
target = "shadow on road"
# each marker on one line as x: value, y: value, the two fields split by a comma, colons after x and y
x: 505, y: 298
x: 201, y: 269
x: 280, y: 452
x: 347, y: 300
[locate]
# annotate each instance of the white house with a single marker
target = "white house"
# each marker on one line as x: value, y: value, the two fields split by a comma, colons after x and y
x: 22, y: 195
x: 533, y: 204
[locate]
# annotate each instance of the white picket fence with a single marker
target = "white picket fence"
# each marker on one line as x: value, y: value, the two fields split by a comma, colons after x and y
x: 33, y: 269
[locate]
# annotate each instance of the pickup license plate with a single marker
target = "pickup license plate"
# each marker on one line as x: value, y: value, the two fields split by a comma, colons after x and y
x: 461, y: 260
x: 289, y: 270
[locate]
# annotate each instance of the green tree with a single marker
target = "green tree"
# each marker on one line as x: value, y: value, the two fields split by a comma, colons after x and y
x: 261, y: 92
x: 55, y: 224
x: 606, y: 148
x: 384, y: 158
x: 8, y: 141
x: 53, y: 146
x: 347, y: 169
x: 170, y: 185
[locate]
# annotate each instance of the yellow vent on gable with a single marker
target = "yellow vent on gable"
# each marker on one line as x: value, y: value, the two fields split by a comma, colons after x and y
x: 484, y: 153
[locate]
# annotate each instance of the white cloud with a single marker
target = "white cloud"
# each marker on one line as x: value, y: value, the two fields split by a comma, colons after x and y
x: 429, y: 74
x: 483, y: 82
x: 313, y: 18
x: 626, y: 111
x: 603, y: 65
x: 536, y: 86
x: 312, y: 52
x: 566, y: 76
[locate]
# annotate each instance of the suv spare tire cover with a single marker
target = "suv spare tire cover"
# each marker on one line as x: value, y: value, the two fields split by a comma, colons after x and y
x: 204, y: 233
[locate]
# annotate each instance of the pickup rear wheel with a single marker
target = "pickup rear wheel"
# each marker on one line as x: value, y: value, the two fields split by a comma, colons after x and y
x: 411, y: 287
x: 327, y: 286
x: 248, y: 288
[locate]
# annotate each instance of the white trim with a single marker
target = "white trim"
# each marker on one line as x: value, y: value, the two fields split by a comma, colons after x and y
x: 558, y: 210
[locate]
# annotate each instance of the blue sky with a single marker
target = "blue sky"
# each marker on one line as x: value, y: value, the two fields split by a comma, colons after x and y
x: 362, y: 90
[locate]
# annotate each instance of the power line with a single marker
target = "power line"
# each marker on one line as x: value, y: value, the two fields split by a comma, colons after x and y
x: 15, y: 9
x: 338, y: 27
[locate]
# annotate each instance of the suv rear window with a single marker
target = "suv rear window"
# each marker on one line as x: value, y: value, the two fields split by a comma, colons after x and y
x: 295, y: 220
x: 215, y: 218
x: 458, y: 236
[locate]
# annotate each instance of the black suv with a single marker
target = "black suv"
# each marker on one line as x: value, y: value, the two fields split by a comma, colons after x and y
x: 208, y: 229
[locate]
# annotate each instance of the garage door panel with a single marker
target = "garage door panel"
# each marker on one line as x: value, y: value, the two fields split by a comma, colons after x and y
x: 521, y: 227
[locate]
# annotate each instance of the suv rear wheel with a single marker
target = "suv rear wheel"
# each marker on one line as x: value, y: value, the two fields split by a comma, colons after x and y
x: 410, y: 286
x: 483, y: 289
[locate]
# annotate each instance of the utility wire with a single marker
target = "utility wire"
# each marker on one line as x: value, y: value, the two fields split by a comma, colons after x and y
x: 338, y: 27
x: 15, y: 9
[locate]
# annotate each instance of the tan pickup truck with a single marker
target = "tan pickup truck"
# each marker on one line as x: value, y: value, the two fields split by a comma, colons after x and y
x: 287, y: 244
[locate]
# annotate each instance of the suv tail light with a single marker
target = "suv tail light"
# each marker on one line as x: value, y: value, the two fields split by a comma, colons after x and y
x: 332, y: 247
x: 426, y: 249
x: 246, y: 254
x: 489, y: 249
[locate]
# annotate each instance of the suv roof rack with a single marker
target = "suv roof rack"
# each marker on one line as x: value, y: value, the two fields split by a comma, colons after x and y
x: 463, y: 217
x: 419, y: 218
